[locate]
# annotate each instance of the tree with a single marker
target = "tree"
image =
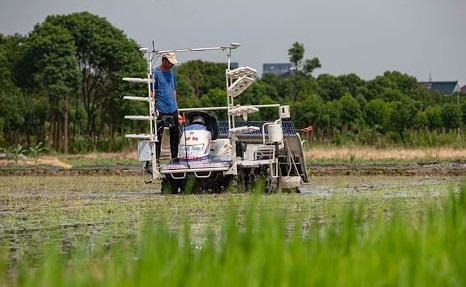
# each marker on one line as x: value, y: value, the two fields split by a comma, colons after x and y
x: 329, y: 87
x: 352, y: 83
x: 350, y: 111
x: 405, y: 83
x: 420, y: 121
x: 330, y: 118
x: 308, y: 111
x: 51, y: 50
x: 377, y: 86
x: 296, y: 54
x: 302, y: 81
x: 451, y: 116
x: 310, y: 65
x: 104, y: 55
x: 202, y: 76
x: 214, y: 98
x: 402, y: 116
x: 185, y: 92
x: 377, y: 114
x: 434, y: 117
x: 391, y: 95
x: 11, y: 100
x: 77, y: 62
x: 271, y: 86
x: 260, y: 93
x: 29, y: 104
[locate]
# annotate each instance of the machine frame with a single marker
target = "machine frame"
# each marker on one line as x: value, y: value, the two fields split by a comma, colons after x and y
x: 271, y: 152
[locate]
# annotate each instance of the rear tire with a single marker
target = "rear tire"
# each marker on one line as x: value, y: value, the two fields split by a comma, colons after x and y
x: 166, y: 186
x: 216, y: 183
x: 171, y: 185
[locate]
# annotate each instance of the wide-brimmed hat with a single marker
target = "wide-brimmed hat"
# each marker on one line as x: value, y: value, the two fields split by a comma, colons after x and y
x: 171, y: 57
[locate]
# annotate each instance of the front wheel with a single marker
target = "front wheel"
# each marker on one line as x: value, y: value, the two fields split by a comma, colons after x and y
x: 171, y: 185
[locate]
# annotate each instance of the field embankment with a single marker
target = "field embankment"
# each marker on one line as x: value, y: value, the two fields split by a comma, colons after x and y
x: 321, y: 161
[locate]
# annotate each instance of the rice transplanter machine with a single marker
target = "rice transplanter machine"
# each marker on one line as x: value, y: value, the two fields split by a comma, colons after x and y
x: 215, y: 155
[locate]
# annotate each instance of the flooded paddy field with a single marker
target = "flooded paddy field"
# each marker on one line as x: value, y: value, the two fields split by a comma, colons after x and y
x: 33, y: 207
x: 92, y: 229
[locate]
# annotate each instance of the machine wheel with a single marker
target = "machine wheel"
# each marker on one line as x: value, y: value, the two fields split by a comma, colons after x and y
x: 272, y: 185
x: 166, y: 186
x: 241, y: 181
x: 216, y: 183
x: 236, y: 184
x: 171, y: 185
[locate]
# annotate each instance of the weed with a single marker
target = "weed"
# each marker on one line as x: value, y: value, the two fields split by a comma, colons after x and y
x: 17, y: 152
x: 37, y: 151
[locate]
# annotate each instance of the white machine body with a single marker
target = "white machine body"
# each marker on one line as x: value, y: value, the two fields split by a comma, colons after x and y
x: 221, y: 150
x: 275, y: 133
x: 144, y: 151
x: 194, y: 144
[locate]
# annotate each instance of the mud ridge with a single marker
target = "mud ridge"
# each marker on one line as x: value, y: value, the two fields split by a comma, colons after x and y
x: 420, y: 169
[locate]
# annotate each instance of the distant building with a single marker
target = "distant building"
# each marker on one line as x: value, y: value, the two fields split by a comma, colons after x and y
x: 445, y: 88
x: 278, y: 69
x: 463, y: 89
x: 233, y: 65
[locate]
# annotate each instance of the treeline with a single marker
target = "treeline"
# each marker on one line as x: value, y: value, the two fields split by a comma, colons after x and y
x: 392, y: 108
x: 61, y: 84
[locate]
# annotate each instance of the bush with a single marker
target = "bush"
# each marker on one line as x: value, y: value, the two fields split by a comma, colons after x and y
x: 82, y: 144
x: 37, y: 150
x: 451, y: 116
x: 113, y: 145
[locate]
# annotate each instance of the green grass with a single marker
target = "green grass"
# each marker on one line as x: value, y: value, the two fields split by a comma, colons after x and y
x: 365, y: 238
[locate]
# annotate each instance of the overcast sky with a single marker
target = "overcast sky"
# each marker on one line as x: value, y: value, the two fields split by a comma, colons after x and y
x: 366, y: 37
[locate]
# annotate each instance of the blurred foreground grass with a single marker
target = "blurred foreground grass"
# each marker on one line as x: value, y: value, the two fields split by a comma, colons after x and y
x: 258, y: 242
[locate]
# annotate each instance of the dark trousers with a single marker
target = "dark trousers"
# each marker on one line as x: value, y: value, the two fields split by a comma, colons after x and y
x: 168, y: 120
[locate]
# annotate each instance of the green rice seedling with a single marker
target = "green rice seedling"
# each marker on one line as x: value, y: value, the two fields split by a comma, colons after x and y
x: 258, y: 244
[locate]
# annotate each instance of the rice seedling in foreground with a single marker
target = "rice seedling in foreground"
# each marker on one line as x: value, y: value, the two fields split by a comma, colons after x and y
x: 264, y: 248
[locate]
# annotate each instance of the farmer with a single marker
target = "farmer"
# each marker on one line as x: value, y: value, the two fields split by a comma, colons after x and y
x: 164, y: 92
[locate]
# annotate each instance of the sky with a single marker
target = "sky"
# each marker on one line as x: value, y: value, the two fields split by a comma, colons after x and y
x: 366, y: 37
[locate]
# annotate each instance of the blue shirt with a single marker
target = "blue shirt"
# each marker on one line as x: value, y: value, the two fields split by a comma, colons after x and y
x: 165, y: 86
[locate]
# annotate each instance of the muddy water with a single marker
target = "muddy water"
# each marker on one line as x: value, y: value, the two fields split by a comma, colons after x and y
x: 71, y: 210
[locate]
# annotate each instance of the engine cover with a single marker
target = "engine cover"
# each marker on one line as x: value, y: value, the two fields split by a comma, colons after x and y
x: 195, y: 143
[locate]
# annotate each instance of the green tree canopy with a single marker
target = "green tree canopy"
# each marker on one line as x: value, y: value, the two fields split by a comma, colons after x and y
x: 378, y: 114
x: 402, y: 116
x: 11, y: 101
x: 296, y: 54
x: 103, y: 55
x: 434, y: 117
x: 451, y: 116
x: 350, y: 110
